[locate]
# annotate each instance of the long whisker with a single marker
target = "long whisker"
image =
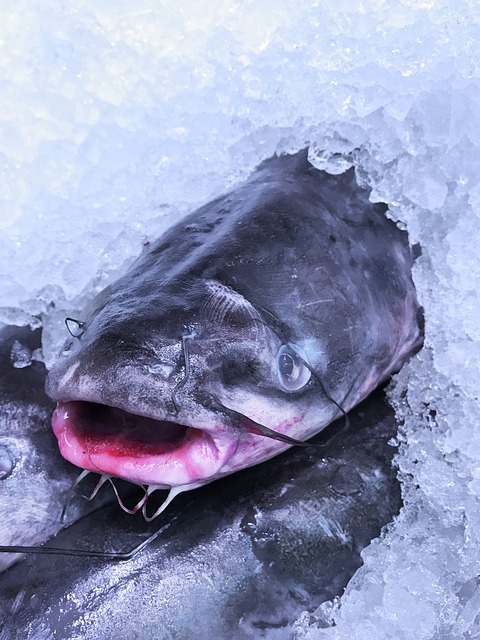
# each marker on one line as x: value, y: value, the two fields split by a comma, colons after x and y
x: 256, y: 427
x: 262, y: 430
x: 174, y: 491
x: 71, y: 491
x: 102, y: 480
x: 108, y: 555
x: 139, y: 504
x: 186, y: 358
x: 327, y: 394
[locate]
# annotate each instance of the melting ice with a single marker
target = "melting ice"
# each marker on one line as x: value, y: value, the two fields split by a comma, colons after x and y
x: 118, y: 117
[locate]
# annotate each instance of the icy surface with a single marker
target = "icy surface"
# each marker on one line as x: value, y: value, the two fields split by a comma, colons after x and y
x: 117, y: 117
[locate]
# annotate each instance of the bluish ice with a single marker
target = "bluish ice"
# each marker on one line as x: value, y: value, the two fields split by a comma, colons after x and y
x: 118, y: 117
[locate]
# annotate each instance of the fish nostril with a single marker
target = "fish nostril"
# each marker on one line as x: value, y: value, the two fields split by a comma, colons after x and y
x: 67, y: 347
x: 7, y: 462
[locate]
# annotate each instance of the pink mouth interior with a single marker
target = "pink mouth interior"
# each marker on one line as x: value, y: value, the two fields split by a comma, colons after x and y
x: 102, y: 429
x: 140, y: 449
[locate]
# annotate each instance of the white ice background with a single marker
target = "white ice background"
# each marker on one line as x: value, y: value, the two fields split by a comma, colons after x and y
x: 118, y: 116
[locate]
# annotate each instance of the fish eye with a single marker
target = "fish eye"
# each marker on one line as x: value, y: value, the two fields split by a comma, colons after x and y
x: 7, y: 462
x: 293, y: 373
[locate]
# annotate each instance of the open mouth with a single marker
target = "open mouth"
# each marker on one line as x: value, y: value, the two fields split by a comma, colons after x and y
x: 141, y: 449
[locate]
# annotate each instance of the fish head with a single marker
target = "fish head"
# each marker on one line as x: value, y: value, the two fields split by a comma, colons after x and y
x: 247, y: 326
x: 184, y: 395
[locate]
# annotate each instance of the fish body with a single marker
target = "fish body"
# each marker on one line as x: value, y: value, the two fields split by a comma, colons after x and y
x: 34, y: 479
x: 267, y: 312
x: 242, y: 558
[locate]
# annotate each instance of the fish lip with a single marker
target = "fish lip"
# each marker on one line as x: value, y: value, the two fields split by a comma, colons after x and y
x: 196, y: 455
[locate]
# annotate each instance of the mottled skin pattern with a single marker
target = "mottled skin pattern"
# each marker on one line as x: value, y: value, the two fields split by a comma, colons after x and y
x: 293, y: 256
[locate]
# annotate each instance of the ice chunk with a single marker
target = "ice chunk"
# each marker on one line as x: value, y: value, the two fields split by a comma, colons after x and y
x: 20, y: 355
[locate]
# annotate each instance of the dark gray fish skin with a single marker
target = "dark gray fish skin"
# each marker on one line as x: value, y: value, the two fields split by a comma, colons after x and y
x: 293, y: 259
x: 237, y: 559
x: 32, y: 489
x: 34, y: 478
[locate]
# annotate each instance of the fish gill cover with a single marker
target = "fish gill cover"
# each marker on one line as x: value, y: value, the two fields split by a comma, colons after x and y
x: 116, y: 118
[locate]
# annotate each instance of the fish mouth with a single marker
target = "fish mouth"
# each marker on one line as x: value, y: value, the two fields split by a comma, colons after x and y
x: 141, y: 449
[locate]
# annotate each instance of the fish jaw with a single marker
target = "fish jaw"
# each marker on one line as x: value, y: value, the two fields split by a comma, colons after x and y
x: 179, y: 456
